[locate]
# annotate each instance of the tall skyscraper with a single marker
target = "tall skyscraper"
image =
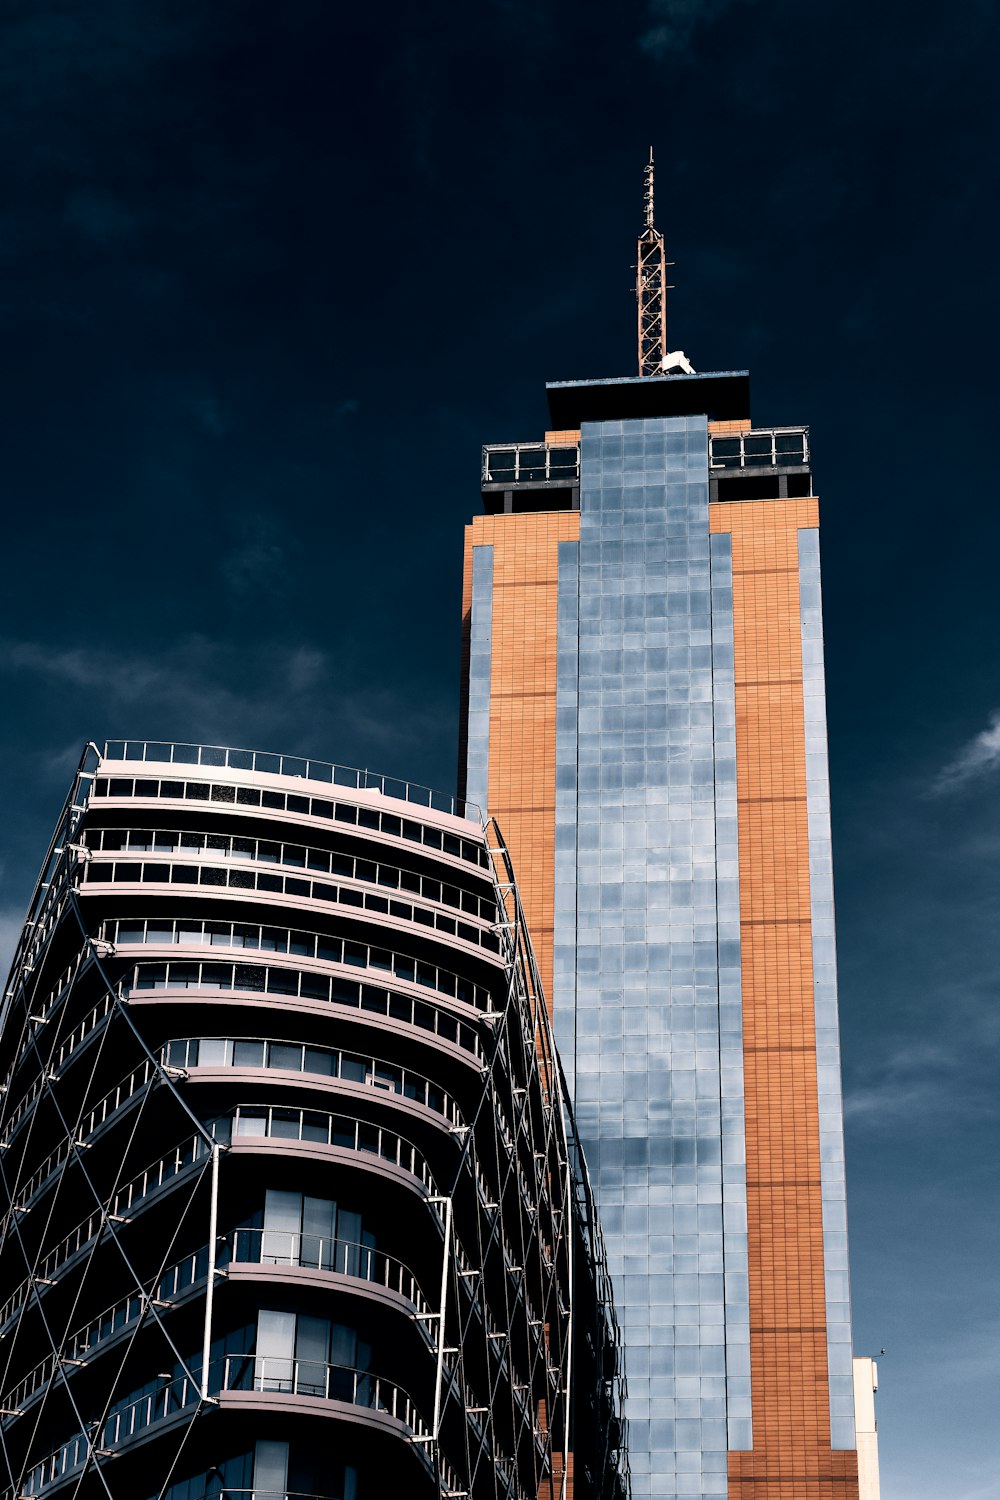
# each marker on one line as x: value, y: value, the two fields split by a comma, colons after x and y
x: 644, y: 714
x: 291, y: 1205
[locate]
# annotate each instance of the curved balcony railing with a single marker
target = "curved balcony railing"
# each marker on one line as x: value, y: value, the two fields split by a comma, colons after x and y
x: 318, y: 1127
x: 325, y: 1062
x: 251, y: 799
x: 42, y: 1009
x: 174, y: 753
x: 191, y: 1151
x: 250, y: 937
x: 239, y: 1372
x: 124, y: 1313
x: 91, y: 1122
x: 243, y: 1246
x: 217, y: 878
x: 309, y: 985
x: 212, y: 847
x: 315, y: 1252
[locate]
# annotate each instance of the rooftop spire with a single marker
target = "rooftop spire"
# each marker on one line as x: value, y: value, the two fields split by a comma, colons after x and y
x: 649, y: 190
x: 651, y: 288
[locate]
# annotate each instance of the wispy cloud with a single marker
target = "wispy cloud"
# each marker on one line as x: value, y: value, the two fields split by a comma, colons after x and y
x: 674, y: 23
x: 979, y: 758
x: 929, y: 1082
x: 266, y: 696
x: 259, y: 563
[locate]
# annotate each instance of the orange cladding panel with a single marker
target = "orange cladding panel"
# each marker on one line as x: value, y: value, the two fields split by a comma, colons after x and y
x: 522, y: 758
x: 791, y: 1458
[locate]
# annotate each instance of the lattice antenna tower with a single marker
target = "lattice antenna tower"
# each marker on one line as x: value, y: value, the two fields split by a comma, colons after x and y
x: 651, y: 287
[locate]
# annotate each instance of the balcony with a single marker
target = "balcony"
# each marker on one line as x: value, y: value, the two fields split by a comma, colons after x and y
x: 530, y: 476
x: 531, y: 463
x: 763, y: 463
x: 235, y: 1373
x: 768, y: 447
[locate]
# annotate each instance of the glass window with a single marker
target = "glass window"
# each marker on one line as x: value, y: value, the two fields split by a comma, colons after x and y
x: 275, y: 1350
x: 286, y: 1124
x: 212, y: 1052
x: 270, y: 1470
x: 319, y: 1227
x: 286, y: 1056
x: 282, y: 1225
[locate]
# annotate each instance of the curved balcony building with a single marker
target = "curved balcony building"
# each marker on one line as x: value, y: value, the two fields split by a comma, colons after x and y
x: 292, y: 1201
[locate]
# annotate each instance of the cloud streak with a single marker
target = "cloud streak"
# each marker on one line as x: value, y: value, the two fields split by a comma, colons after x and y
x: 977, y: 759
x: 676, y: 21
x: 265, y: 696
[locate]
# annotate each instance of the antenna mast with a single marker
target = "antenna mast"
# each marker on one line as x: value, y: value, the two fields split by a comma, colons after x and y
x: 651, y: 288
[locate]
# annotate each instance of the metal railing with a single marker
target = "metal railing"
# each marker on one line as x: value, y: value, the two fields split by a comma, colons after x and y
x: 279, y: 942
x: 215, y: 878
x: 371, y: 998
x: 191, y: 1151
x: 316, y: 1252
x: 303, y: 860
x: 102, y: 1111
x: 546, y: 463
x: 325, y: 1062
x: 39, y: 1016
x: 124, y: 1313
x: 318, y: 1127
x: 765, y: 447
x: 236, y: 1372
x: 175, y: 753
x: 531, y: 463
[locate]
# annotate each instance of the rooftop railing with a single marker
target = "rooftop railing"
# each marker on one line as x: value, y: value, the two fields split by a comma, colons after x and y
x: 175, y: 753
x: 760, y: 448
x: 547, y: 463
x: 531, y: 463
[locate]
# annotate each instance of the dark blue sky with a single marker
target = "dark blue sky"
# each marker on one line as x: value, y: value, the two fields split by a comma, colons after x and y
x: 269, y: 275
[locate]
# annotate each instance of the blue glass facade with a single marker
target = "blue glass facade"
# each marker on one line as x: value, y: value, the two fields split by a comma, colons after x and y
x: 646, y: 996
x: 480, y: 671
x: 831, y: 1108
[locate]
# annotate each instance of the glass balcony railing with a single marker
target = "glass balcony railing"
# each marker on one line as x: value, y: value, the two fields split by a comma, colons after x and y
x: 531, y: 463
x: 545, y: 463
x: 761, y: 448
